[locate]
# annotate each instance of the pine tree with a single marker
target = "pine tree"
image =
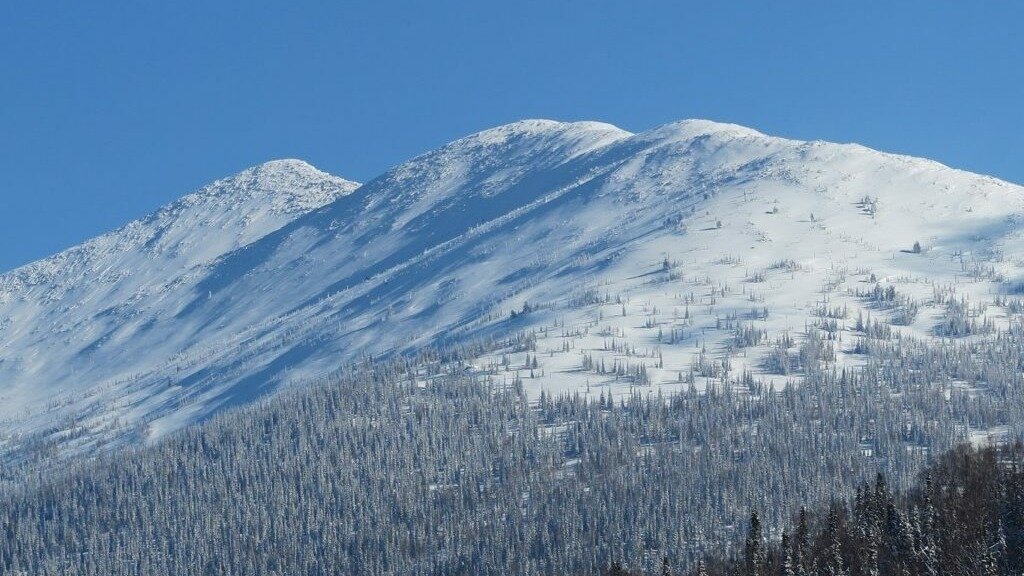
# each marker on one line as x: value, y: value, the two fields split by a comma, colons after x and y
x: 788, y: 567
x: 666, y: 570
x: 928, y: 543
x: 754, y: 546
x: 834, y: 565
x: 802, y: 542
x: 616, y: 569
x: 992, y: 563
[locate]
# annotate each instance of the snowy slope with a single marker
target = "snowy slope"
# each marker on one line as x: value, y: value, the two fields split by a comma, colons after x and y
x: 629, y: 261
x: 98, y: 314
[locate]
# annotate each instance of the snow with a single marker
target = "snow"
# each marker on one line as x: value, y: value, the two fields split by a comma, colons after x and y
x: 97, y: 316
x: 282, y: 273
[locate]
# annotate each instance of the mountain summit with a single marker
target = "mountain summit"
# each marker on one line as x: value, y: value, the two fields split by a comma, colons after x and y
x: 648, y: 254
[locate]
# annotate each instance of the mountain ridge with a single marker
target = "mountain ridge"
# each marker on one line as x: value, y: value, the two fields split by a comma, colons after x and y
x: 682, y: 226
x: 267, y: 177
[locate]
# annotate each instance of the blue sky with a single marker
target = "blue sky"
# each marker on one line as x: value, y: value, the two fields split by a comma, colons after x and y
x: 109, y: 110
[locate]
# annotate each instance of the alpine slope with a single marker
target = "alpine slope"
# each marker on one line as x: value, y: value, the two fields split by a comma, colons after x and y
x: 581, y: 258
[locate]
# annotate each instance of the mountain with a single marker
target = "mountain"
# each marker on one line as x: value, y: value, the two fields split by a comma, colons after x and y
x: 100, y: 315
x: 589, y: 259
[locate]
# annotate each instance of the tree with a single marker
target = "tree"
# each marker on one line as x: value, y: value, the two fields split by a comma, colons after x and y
x: 788, y: 566
x: 616, y: 569
x: 834, y: 564
x: 666, y: 569
x: 754, y: 546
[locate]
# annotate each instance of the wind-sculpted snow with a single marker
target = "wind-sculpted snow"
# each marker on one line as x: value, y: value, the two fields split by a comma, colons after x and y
x: 691, y: 253
x: 102, y: 313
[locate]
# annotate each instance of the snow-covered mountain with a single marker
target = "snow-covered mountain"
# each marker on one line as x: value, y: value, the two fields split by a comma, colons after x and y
x: 692, y: 251
x: 100, y: 315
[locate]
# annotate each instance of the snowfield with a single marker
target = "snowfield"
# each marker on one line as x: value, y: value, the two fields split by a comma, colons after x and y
x: 589, y: 259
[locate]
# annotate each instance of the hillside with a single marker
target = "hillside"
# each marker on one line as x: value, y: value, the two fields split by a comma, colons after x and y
x: 76, y: 329
x: 690, y: 254
x: 418, y: 468
x: 965, y: 515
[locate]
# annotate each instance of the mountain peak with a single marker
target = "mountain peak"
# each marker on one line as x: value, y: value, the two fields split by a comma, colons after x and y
x: 493, y: 158
x: 690, y: 129
x: 289, y: 184
x: 574, y: 137
x: 285, y: 168
x: 542, y: 126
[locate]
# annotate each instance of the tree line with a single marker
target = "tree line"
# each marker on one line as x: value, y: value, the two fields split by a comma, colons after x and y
x: 964, y: 517
x: 427, y: 466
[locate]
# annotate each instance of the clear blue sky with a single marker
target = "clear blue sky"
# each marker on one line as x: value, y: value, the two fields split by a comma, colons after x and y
x: 109, y: 110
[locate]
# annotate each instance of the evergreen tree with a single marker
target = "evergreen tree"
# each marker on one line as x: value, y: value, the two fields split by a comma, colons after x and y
x: 754, y: 546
